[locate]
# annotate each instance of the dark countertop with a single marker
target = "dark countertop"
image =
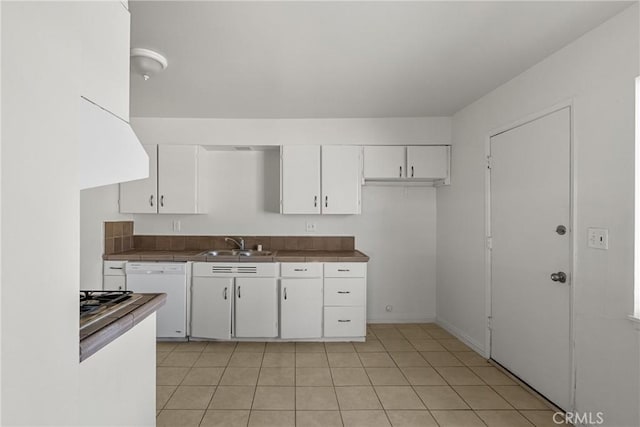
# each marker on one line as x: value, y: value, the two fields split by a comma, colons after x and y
x: 276, y: 256
x: 99, y: 334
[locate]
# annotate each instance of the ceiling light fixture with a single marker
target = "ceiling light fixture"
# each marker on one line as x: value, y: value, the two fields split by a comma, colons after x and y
x: 147, y: 62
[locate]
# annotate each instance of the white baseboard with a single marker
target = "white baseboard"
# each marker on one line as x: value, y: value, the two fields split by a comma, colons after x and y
x: 475, y: 346
x: 431, y: 319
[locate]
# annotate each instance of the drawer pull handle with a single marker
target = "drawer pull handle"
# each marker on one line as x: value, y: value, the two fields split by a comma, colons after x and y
x: 285, y: 293
x: 116, y: 268
x: 238, y: 291
x: 225, y: 293
x: 344, y: 320
x: 299, y: 269
x: 344, y: 292
x: 343, y: 269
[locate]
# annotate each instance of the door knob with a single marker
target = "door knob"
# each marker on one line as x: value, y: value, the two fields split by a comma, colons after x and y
x: 561, y: 230
x: 559, y: 277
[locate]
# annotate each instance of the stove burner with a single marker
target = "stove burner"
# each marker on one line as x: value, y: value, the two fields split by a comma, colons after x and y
x: 90, y: 301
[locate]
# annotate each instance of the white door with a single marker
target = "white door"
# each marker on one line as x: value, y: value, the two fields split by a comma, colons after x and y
x: 530, y: 202
x: 301, y: 308
x: 300, y: 179
x: 384, y: 162
x: 428, y: 162
x: 140, y: 196
x: 341, y: 179
x: 256, y: 307
x: 177, y: 179
x: 211, y: 307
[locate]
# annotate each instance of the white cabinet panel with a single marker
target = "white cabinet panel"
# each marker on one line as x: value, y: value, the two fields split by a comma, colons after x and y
x: 301, y: 308
x: 211, y: 299
x: 114, y: 283
x: 140, y: 196
x: 301, y: 269
x: 344, y: 291
x: 341, y: 179
x: 344, y: 322
x: 178, y: 179
x: 256, y: 313
x: 105, y: 55
x: 384, y: 162
x: 428, y: 162
x: 300, y: 179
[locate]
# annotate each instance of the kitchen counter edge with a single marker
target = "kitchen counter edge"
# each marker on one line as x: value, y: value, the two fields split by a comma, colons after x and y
x: 277, y: 256
x: 106, y: 330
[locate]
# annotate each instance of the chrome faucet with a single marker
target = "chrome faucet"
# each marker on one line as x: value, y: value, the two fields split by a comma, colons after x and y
x: 239, y: 243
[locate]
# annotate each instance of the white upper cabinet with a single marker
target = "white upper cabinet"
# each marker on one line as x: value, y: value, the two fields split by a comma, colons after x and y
x: 341, y: 179
x: 172, y: 186
x: 178, y: 179
x: 428, y: 162
x: 318, y: 180
x: 384, y: 162
x: 141, y: 196
x: 300, y: 169
x: 407, y: 163
x: 105, y: 55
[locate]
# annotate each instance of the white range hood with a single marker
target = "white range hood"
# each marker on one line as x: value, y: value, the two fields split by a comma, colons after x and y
x: 110, y: 151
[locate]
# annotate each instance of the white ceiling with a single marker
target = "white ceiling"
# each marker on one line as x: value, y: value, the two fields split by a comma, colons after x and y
x: 343, y: 59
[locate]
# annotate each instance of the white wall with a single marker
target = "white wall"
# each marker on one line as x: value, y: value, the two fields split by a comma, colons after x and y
x: 396, y: 227
x: 40, y: 214
x: 597, y: 72
x: 96, y: 206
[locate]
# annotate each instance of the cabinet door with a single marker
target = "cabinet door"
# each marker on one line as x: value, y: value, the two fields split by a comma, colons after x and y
x: 341, y: 179
x: 300, y: 179
x: 428, y: 162
x: 301, y: 308
x: 114, y: 283
x: 385, y: 162
x: 140, y: 196
x: 256, y: 308
x: 105, y: 55
x: 211, y: 307
x: 177, y: 179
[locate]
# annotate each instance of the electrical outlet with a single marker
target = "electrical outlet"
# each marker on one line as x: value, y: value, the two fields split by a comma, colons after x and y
x: 311, y: 227
x: 176, y: 225
x: 598, y: 238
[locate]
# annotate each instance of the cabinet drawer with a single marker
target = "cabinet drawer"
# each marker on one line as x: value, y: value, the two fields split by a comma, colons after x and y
x: 301, y: 269
x: 344, y: 291
x: 345, y: 269
x: 344, y: 322
x: 114, y: 268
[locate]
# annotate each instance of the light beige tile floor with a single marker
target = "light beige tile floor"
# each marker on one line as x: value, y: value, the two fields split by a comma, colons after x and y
x: 404, y: 375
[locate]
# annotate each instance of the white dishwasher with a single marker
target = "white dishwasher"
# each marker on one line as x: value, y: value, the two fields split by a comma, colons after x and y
x: 167, y: 278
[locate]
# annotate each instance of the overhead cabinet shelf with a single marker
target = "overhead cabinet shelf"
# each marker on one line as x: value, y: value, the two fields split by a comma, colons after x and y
x: 424, y: 163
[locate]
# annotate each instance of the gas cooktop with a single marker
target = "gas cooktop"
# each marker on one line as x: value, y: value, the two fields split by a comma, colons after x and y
x: 96, y: 305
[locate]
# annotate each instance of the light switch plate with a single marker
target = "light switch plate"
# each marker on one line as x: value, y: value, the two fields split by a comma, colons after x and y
x: 598, y: 238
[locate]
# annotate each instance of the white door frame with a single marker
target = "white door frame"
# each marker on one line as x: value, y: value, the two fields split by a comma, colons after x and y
x: 572, y: 215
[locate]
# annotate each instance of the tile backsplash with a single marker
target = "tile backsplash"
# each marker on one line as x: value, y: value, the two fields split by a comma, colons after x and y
x: 118, y: 237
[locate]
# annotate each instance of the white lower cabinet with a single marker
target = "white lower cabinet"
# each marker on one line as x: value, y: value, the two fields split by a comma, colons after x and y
x: 315, y: 301
x: 211, y: 299
x: 301, y: 300
x: 113, y: 278
x: 256, y: 307
x: 345, y: 300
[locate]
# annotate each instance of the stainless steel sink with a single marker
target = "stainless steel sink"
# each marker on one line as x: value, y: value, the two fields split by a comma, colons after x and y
x: 251, y: 252
x: 221, y: 252
x: 236, y: 252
